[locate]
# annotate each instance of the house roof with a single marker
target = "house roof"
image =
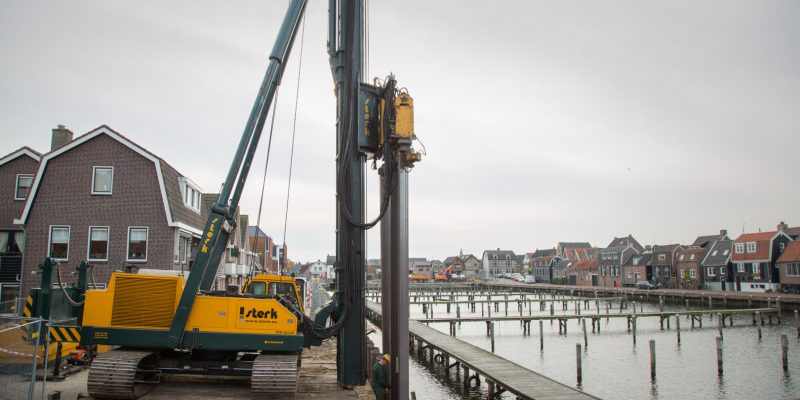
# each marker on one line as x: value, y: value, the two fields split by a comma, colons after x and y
x: 574, y: 244
x: 625, y: 241
x: 255, y: 231
x: 451, y: 260
x: 793, y: 232
x: 563, y: 264
x: 499, y: 252
x: 791, y: 253
x: 177, y: 214
x: 719, y: 253
x: 639, y: 259
x: 613, y: 249
x: 705, y: 240
x: 688, y: 252
x: 763, y: 242
x: 585, y: 264
x: 544, y: 253
x: 520, y: 258
x: 22, y: 151
x: 330, y: 260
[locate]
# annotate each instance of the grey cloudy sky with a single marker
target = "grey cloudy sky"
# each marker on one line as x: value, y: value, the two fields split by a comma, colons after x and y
x: 543, y: 121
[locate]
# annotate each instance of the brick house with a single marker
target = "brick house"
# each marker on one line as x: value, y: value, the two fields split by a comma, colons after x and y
x: 560, y: 272
x: 627, y: 241
x: 422, y: 267
x: 754, y: 259
x: 789, y: 267
x: 664, y: 264
x: 456, y: 263
x: 611, y: 259
x: 17, y: 170
x: 499, y: 262
x: 717, y: 267
x: 690, y: 272
x: 262, y: 245
x: 636, y: 268
x: 105, y: 199
x: 472, y: 265
x: 584, y: 272
x: 572, y: 250
x: 542, y: 263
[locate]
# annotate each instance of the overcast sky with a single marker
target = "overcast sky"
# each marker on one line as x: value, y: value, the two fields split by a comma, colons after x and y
x: 543, y: 121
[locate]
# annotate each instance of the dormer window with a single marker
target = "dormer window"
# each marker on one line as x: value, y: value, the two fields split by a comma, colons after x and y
x: 662, y: 257
x: 739, y: 248
x: 751, y: 247
x: 191, y: 193
x: 24, y: 182
x: 102, y: 180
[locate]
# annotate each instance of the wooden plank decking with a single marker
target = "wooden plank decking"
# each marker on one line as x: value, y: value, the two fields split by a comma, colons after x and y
x: 504, y: 374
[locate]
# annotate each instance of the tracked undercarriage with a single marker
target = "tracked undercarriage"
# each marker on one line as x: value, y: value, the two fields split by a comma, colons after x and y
x: 129, y: 374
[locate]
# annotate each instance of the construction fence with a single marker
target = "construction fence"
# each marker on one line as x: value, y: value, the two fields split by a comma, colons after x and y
x: 20, y: 356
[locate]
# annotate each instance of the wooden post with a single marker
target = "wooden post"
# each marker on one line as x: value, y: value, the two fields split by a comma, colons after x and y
x: 719, y: 355
x: 466, y: 377
x: 490, y: 392
x: 687, y: 304
x: 541, y: 336
x: 585, y: 338
x: 634, y: 306
x: 785, y: 352
x: 661, y: 303
x: 634, y: 331
x: 492, y: 329
x: 578, y: 361
x: 552, y: 312
x: 797, y: 323
x: 758, y: 317
x: 652, y: 359
x: 719, y: 324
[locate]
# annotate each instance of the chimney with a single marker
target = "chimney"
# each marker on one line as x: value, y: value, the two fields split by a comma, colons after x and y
x: 782, y: 226
x: 61, y: 136
x: 723, y: 232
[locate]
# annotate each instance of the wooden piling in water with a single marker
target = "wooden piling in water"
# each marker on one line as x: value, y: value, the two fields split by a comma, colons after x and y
x: 797, y: 323
x: 720, y: 323
x: 541, y: 336
x: 652, y: 359
x: 634, y: 331
x: 719, y: 355
x: 492, y: 329
x: 585, y: 338
x: 578, y: 362
x: 678, y: 327
x: 785, y: 352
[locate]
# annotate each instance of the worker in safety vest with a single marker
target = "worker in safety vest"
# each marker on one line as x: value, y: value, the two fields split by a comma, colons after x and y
x: 380, y: 382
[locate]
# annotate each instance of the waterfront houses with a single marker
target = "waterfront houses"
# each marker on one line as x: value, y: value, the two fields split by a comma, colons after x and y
x: 583, y: 272
x: 755, y: 258
x: 789, y: 267
x: 664, y: 264
x: 717, y: 266
x: 17, y: 170
x: 499, y: 262
x: 637, y: 268
x: 572, y: 250
x: 612, y: 258
x: 542, y: 263
x: 455, y: 263
x: 559, y: 272
x: 690, y: 274
x: 105, y: 199
x: 472, y: 265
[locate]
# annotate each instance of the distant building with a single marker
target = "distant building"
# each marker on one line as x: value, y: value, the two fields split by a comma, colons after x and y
x: 261, y: 243
x: 499, y: 262
x: 664, y: 272
x: 560, y: 274
x: 789, y: 266
x: 636, y: 268
x: 706, y: 240
x: 611, y: 259
x: 755, y: 258
x: 472, y: 266
x: 569, y: 250
x: 717, y: 267
x: 542, y: 263
x: 627, y: 241
x: 584, y: 272
x: 456, y: 263
x: 690, y: 272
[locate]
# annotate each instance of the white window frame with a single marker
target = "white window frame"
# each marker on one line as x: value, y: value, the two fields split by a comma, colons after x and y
x: 50, y: 240
x: 692, y: 273
x: 781, y: 247
x: 740, y: 267
x: 662, y: 257
x: 146, y: 245
x: 739, y: 248
x: 191, y: 194
x: 793, y: 266
x: 16, y: 186
x: 751, y: 247
x: 757, y: 269
x: 89, y: 243
x: 94, y: 175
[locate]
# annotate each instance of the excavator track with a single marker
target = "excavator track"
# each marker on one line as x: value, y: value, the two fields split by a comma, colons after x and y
x: 274, y: 376
x: 122, y: 374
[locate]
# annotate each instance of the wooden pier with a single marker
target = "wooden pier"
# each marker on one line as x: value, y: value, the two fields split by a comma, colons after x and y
x: 472, y: 363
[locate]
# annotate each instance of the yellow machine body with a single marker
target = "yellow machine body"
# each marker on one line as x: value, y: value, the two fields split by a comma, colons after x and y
x: 404, y: 116
x: 149, y: 302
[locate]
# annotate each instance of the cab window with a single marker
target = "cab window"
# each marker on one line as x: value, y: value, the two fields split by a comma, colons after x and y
x: 285, y: 290
x: 257, y: 288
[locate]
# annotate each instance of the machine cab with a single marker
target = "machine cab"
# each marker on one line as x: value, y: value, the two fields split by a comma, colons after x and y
x: 274, y: 286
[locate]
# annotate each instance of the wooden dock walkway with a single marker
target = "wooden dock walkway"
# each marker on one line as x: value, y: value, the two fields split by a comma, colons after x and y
x: 473, y: 363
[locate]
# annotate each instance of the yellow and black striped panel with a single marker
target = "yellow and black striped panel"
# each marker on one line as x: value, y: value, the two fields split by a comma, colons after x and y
x: 28, y: 311
x: 65, y: 334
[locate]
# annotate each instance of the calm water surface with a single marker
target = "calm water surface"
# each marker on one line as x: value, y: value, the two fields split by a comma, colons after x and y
x: 613, y: 368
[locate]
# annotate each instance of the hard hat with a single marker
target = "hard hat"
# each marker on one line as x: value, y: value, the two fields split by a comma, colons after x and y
x: 387, y: 357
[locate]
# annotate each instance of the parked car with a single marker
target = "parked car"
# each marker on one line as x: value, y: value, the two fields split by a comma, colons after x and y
x: 530, y: 279
x: 645, y: 285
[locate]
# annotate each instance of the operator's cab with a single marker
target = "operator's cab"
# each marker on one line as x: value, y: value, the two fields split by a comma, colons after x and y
x: 275, y: 286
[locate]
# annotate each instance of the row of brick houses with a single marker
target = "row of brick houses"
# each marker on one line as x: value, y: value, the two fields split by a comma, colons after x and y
x: 757, y: 261
x: 102, y: 198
